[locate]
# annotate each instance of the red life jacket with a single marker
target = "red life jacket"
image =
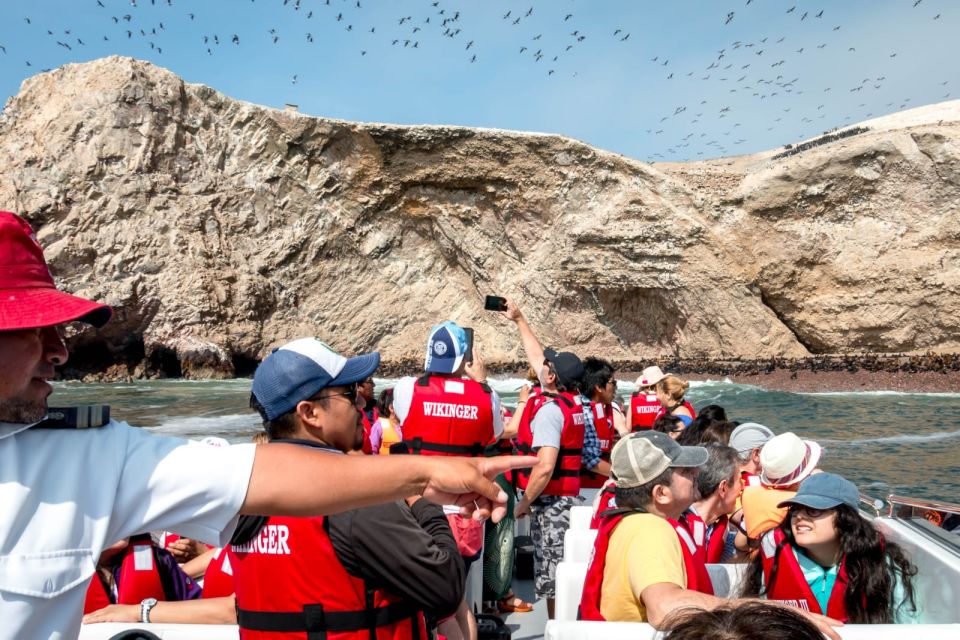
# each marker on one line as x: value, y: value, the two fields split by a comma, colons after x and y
x: 686, y: 405
x: 644, y: 408
x: 789, y: 586
x: 697, y: 578
x: 717, y: 539
x: 693, y: 546
x: 367, y: 448
x: 712, y: 540
x: 606, y: 502
x: 218, y: 579
x: 167, y: 538
x: 448, y: 417
x: 139, y: 578
x: 603, y: 421
x: 565, y: 480
x: 291, y: 585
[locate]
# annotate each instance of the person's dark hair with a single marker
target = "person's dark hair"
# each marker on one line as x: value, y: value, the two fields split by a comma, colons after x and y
x: 748, y: 621
x: 282, y: 426
x: 385, y: 403
x: 721, y: 465
x: 713, y: 413
x: 668, y: 424
x: 717, y: 433
x: 596, y: 373
x: 707, y: 416
x: 873, y: 565
x: 640, y: 497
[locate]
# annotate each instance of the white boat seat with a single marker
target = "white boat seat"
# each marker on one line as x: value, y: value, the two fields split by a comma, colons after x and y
x: 570, y: 578
x: 580, y: 517
x: 578, y: 544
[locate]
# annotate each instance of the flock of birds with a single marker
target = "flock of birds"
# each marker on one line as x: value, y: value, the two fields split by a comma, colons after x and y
x: 758, y: 70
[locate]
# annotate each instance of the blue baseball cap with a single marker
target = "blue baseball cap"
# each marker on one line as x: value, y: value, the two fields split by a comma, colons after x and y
x: 445, y: 348
x: 298, y: 370
x: 825, y: 491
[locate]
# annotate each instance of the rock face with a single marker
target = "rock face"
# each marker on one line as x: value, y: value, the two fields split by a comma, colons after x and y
x: 219, y: 229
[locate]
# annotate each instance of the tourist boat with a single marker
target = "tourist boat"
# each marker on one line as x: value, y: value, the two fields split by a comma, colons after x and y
x: 917, y: 525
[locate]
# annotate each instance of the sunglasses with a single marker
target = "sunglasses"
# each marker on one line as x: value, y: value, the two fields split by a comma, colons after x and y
x: 350, y: 393
x: 809, y: 511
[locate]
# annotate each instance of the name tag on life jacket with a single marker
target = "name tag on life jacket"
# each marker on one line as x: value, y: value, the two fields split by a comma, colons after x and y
x: 143, y: 557
x: 453, y: 386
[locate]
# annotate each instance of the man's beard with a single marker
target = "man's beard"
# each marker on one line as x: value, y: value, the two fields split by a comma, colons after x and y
x: 21, y: 411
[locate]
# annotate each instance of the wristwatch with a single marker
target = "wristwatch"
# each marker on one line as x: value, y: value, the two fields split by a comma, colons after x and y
x: 145, y: 606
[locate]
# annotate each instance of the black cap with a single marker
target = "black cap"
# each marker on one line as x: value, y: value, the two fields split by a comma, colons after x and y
x: 567, y: 365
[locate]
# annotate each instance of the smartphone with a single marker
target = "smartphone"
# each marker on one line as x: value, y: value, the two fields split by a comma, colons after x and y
x: 495, y: 303
x: 468, y: 356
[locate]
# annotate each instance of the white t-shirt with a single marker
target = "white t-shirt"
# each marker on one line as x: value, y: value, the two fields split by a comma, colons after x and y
x: 66, y: 494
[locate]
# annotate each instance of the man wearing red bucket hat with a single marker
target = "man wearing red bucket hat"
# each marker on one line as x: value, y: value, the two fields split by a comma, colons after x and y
x: 72, y: 482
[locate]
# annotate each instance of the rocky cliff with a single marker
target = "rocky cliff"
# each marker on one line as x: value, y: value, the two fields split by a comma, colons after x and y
x: 218, y: 229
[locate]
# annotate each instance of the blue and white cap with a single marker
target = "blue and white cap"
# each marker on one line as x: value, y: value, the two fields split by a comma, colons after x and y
x: 445, y: 348
x: 299, y: 369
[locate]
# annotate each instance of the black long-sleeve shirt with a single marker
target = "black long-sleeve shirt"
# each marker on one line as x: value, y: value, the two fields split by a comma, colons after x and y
x: 408, y: 551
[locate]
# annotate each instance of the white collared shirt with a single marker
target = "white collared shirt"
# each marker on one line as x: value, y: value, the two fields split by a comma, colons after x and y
x: 67, y: 494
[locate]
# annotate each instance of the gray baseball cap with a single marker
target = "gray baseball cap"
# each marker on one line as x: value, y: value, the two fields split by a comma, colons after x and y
x: 641, y: 457
x: 825, y: 491
x: 749, y: 436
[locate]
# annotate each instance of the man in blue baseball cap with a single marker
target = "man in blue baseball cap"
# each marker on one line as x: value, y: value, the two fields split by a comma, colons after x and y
x: 307, y: 396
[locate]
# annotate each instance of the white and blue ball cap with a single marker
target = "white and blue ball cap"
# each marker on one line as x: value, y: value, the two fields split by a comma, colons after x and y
x: 445, y: 348
x: 298, y: 370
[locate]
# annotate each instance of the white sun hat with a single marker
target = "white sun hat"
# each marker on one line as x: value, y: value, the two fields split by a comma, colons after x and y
x: 786, y: 459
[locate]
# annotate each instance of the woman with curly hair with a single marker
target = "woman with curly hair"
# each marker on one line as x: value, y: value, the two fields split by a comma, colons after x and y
x: 826, y: 558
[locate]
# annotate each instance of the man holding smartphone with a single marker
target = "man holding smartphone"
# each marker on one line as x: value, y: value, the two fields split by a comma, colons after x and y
x: 450, y: 411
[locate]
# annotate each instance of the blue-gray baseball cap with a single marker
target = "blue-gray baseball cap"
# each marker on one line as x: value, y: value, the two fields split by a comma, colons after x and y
x: 298, y: 370
x: 446, y: 348
x: 825, y: 491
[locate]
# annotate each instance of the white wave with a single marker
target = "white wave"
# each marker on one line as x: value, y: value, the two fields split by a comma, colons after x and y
x: 191, y: 426
x: 898, y: 439
x: 923, y: 394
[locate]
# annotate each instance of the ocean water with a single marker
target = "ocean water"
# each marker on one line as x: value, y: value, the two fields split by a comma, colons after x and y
x: 886, y: 442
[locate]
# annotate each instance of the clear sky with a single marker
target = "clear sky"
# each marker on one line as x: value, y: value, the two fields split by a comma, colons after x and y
x: 673, y: 79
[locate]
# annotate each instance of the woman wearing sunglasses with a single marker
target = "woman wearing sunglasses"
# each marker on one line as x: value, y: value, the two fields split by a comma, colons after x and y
x: 828, y: 559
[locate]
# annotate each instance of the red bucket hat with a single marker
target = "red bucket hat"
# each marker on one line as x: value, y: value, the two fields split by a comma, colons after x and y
x: 28, y: 296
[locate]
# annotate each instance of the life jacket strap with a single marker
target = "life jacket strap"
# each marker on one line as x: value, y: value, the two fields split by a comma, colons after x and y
x: 317, y: 623
x: 416, y: 445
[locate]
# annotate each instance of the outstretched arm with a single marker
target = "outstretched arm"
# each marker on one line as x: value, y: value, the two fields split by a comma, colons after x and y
x: 531, y: 345
x: 298, y: 481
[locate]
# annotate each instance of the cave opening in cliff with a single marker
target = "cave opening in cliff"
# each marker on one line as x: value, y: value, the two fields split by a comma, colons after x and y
x: 243, y: 365
x: 166, y: 362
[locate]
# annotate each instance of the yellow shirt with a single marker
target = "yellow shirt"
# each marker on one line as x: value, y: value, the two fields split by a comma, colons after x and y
x: 760, y: 512
x: 644, y: 550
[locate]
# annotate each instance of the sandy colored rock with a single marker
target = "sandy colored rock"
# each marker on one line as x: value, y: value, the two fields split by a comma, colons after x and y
x: 219, y: 229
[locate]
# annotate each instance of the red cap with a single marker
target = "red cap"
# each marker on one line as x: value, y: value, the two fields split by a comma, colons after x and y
x: 28, y: 296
